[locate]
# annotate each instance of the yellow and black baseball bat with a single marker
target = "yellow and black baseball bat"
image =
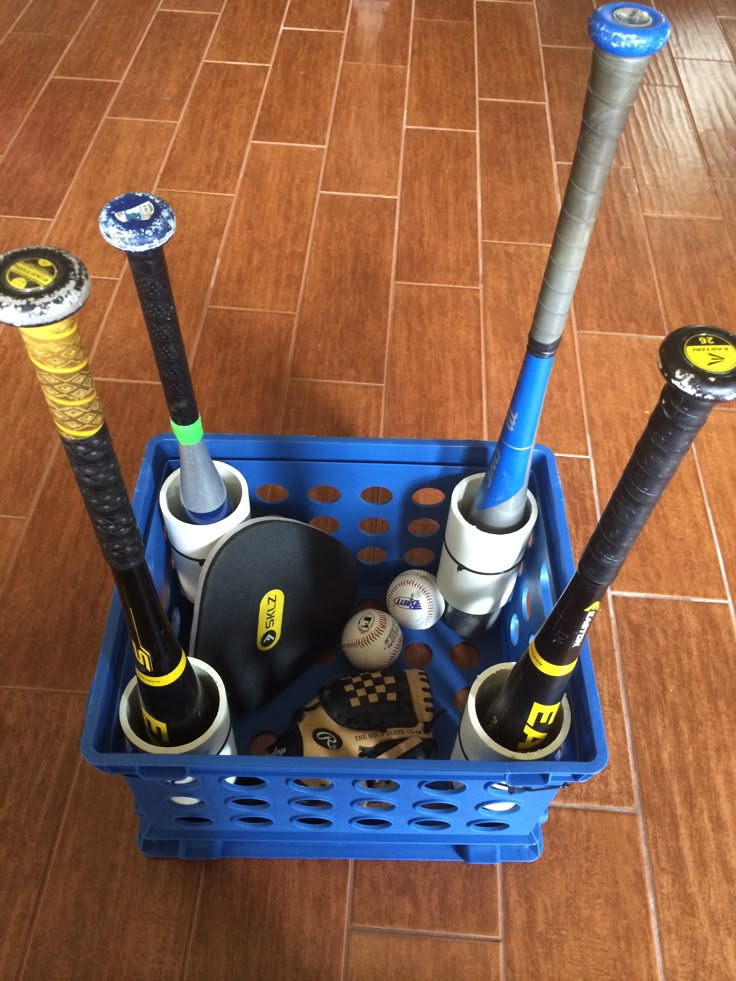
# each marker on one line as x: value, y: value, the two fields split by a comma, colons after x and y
x: 41, y: 291
x: 699, y: 366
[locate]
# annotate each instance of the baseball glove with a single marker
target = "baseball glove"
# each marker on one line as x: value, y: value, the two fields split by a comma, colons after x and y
x: 376, y: 714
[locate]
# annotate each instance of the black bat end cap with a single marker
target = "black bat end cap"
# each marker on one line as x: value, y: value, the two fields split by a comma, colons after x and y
x: 41, y: 285
x: 700, y: 361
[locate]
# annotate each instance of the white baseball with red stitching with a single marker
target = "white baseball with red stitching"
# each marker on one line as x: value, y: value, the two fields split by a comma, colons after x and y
x: 371, y: 640
x: 414, y: 599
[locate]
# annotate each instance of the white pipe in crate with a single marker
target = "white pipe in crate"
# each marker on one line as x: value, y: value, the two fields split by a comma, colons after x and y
x: 191, y: 543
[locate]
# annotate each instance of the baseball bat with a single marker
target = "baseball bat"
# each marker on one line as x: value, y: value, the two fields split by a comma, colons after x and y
x: 140, y: 225
x: 41, y: 291
x: 699, y: 367
x: 625, y: 36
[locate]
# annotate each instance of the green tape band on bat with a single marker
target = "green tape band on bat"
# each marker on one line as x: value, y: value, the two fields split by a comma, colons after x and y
x: 188, y: 435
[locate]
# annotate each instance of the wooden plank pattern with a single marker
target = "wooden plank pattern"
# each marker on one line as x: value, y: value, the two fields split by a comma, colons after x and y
x: 438, y: 238
x: 365, y: 141
x: 65, y: 119
x: 366, y: 193
x: 351, y: 255
x: 158, y: 82
x: 298, y: 98
x: 108, y: 39
x: 263, y: 256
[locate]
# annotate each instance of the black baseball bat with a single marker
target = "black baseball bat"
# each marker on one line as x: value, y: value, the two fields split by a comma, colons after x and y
x: 41, y: 291
x: 699, y: 366
x: 140, y: 225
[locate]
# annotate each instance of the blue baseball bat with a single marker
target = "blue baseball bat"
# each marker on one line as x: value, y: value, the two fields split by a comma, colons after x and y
x: 625, y: 36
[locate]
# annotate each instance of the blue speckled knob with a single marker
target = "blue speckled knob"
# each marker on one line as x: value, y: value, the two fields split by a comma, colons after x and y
x: 137, y: 222
x: 628, y: 30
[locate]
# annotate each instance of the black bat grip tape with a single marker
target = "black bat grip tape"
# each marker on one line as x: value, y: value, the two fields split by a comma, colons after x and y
x: 671, y: 429
x: 152, y: 283
x: 101, y: 484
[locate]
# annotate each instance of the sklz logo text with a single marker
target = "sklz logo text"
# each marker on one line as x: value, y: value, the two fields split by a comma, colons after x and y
x: 270, y: 619
x: 408, y: 603
x: 590, y: 612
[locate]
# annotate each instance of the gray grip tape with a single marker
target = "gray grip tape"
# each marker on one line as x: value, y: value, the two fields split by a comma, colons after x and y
x: 614, y: 83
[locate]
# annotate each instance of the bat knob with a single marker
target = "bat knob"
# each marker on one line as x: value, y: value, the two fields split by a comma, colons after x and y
x: 701, y: 362
x: 137, y: 222
x: 628, y: 30
x: 41, y: 285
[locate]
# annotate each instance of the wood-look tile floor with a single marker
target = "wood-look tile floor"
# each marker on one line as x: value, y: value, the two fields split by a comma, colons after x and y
x: 366, y: 193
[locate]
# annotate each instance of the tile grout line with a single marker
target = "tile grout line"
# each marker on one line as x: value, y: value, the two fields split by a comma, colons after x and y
x: 630, y: 594
x: 289, y: 361
x: 714, y: 532
x: 397, y: 224
x: 439, y: 934
x: 349, y: 893
x: 635, y: 783
x: 481, y: 257
x: 193, y: 922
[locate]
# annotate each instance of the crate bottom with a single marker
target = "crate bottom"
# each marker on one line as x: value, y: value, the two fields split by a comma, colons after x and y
x: 516, y: 848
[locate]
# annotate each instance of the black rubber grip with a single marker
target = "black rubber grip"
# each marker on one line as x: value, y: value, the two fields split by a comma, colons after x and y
x: 101, y: 483
x: 151, y: 278
x: 669, y: 434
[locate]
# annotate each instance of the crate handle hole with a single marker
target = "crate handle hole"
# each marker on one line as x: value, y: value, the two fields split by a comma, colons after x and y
x: 489, y: 826
x: 503, y: 806
x: 272, y: 493
x: 443, y: 787
x: 374, y: 824
x: 376, y: 495
x: 440, y: 806
x: 430, y: 824
x: 326, y: 523
x: 324, y: 494
x: 377, y: 786
x: 313, y: 822
x: 378, y: 805
x: 311, y: 783
x: 428, y: 497
x: 423, y: 527
x: 254, y: 819
x: 417, y: 655
x: 312, y: 803
x: 249, y: 802
x: 374, y: 526
x: 245, y: 781
x: 193, y: 819
x: 465, y: 656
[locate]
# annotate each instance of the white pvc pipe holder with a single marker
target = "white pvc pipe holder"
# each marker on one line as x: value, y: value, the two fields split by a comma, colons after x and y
x: 217, y: 740
x: 478, y: 569
x: 474, y: 743
x: 190, y: 543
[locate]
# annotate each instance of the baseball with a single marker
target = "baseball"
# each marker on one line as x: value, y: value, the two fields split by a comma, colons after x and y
x: 415, y: 600
x: 371, y: 640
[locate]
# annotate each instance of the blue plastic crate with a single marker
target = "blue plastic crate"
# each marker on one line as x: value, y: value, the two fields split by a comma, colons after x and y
x: 386, y: 500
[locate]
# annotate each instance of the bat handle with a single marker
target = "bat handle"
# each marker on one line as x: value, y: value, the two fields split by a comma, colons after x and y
x: 140, y: 225
x: 699, y: 366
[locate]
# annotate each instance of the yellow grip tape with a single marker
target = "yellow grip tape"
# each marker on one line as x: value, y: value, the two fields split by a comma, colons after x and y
x: 63, y: 373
